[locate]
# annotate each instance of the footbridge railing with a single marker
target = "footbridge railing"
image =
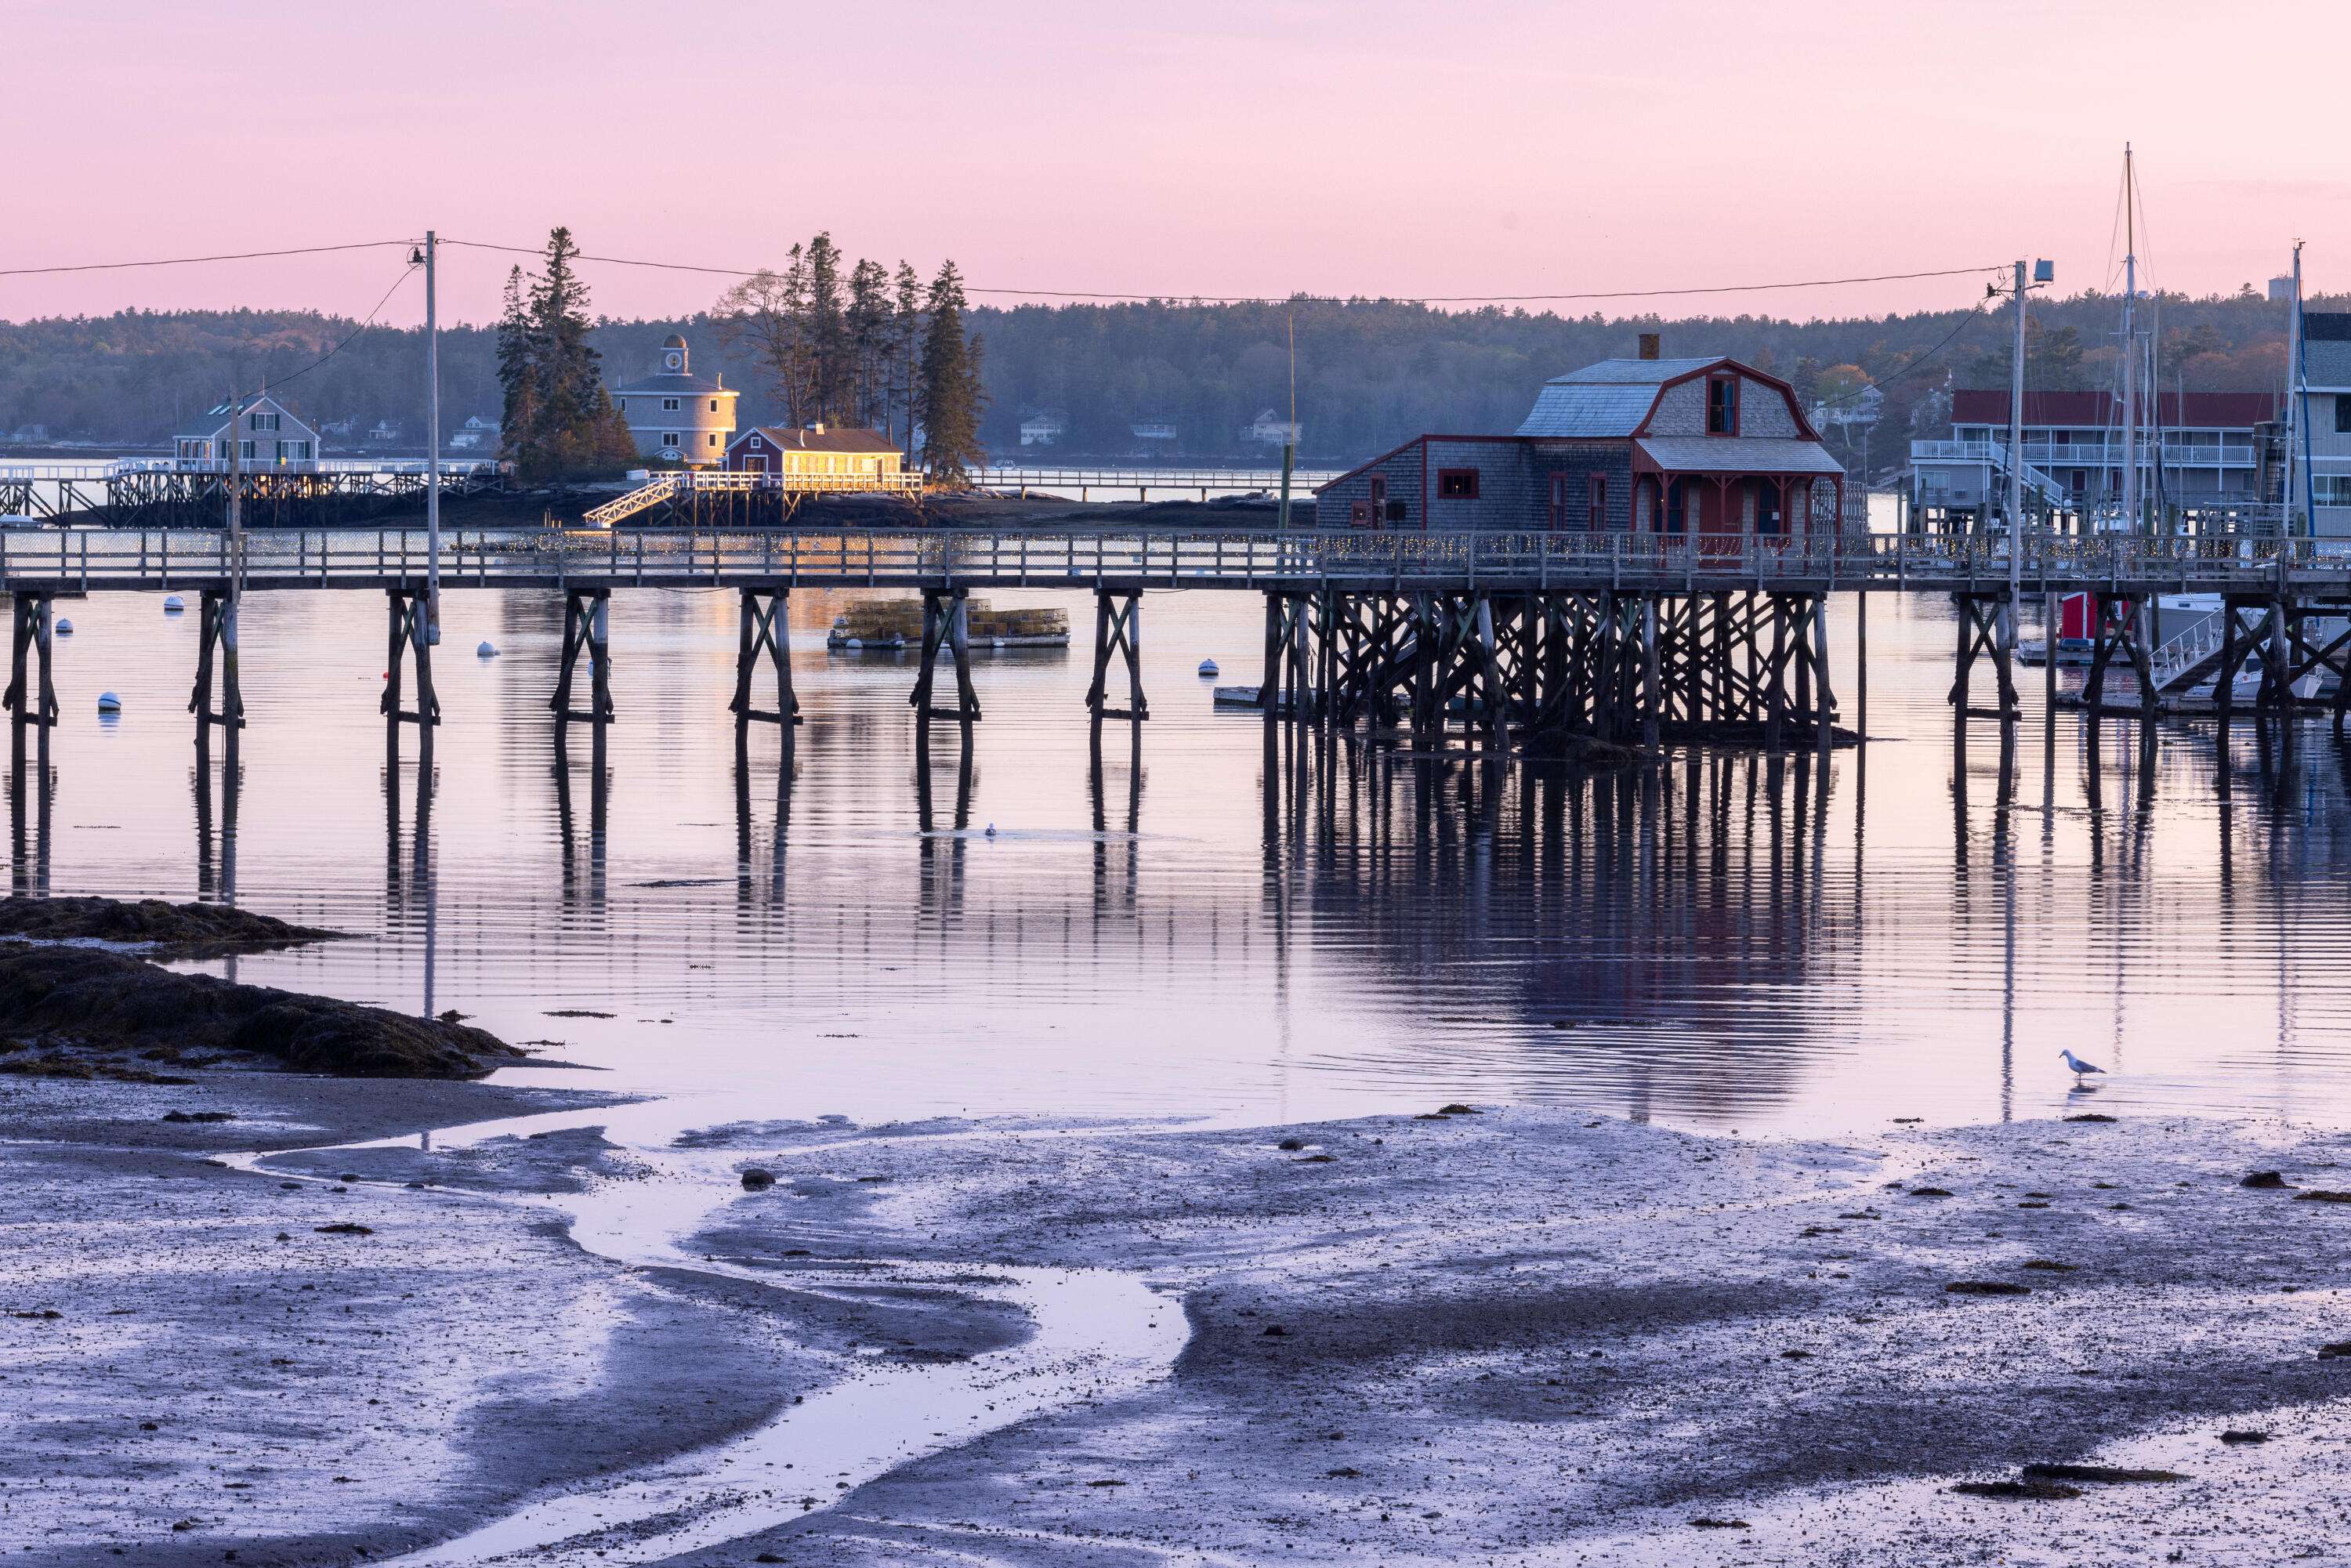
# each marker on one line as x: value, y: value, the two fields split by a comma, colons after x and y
x: 1354, y: 561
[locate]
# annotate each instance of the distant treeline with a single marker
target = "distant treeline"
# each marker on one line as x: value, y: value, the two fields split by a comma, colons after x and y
x: 1370, y: 373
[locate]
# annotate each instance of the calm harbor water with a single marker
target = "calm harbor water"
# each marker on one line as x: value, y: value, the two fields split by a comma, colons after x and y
x: 1719, y: 941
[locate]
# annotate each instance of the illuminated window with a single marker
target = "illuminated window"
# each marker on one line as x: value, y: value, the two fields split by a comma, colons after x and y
x: 1457, y: 484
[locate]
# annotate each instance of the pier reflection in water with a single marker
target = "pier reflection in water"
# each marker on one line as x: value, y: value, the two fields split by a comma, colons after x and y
x: 1201, y: 915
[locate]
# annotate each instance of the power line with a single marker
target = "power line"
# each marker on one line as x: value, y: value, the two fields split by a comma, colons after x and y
x: 405, y: 273
x: 193, y: 260
x: 1269, y: 299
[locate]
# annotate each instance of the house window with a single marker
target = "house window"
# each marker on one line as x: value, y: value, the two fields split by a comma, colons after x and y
x: 624, y: 406
x: 265, y: 422
x: 1595, y: 507
x: 1359, y: 513
x: 1676, y: 507
x: 2342, y: 413
x: 670, y: 439
x: 1722, y: 405
x: 756, y: 443
x: 669, y: 405
x: 245, y: 450
x: 2331, y: 489
x: 713, y: 405
x: 1457, y: 484
x: 293, y: 452
x: 714, y: 438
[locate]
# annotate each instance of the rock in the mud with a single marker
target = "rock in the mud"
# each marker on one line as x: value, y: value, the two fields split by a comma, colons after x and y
x: 1702, y: 1523
x: 2340, y: 1351
x: 344, y: 1227
x: 1987, y: 1287
x: 756, y: 1180
x: 2236, y: 1435
x: 1275, y: 1330
x: 2320, y: 1195
x: 199, y: 1116
x: 2104, y: 1475
x: 107, y: 1001
x: 2265, y: 1179
x: 2033, y: 1491
x: 1929, y: 1192
x: 2051, y: 1265
x: 1291, y: 1144
x: 1456, y: 1109
x: 2089, y: 1116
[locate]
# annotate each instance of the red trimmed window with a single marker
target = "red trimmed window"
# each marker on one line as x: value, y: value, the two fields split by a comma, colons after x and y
x: 1359, y: 513
x: 1596, y: 491
x: 1722, y: 405
x: 1457, y: 484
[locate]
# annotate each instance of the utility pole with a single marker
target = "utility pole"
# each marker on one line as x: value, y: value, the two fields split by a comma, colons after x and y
x: 431, y: 447
x: 2130, y: 348
x: 232, y: 702
x: 1290, y: 432
x: 2015, y: 480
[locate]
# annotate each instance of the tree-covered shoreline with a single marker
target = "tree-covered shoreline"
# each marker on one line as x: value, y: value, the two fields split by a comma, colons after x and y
x: 1370, y: 373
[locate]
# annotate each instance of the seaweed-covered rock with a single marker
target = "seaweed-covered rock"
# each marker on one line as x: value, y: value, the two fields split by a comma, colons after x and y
x: 180, y: 930
x: 107, y: 1001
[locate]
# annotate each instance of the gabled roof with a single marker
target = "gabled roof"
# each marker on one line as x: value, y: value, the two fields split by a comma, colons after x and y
x: 220, y: 414
x: 1609, y: 398
x: 1635, y: 373
x: 827, y: 440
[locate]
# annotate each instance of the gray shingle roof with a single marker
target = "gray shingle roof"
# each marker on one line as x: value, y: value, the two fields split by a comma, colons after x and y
x: 2326, y: 363
x: 1566, y: 409
x: 1633, y: 372
x: 1738, y: 455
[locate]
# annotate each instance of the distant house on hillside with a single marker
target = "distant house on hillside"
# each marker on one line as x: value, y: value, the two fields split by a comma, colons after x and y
x: 382, y: 433
x: 1265, y: 429
x: 477, y: 434
x: 1154, y: 431
x: 1708, y: 447
x: 815, y: 452
x: 676, y: 414
x: 1857, y: 410
x: 1041, y: 429
x: 267, y: 434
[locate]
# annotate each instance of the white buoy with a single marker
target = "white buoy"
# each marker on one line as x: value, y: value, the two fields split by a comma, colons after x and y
x: 487, y: 650
x: 108, y: 703
x: 173, y: 604
x: 1208, y: 671
x: 991, y: 830
x: 65, y: 627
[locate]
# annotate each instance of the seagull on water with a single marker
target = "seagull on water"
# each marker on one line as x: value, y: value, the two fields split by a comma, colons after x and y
x: 2080, y: 1067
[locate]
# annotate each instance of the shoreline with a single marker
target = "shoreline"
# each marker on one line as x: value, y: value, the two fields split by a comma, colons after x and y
x: 1516, y: 1334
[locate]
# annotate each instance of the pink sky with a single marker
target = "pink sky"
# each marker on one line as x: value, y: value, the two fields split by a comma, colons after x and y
x: 1184, y: 147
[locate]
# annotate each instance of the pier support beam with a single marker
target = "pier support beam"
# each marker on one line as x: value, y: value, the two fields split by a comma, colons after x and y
x: 31, y: 698
x: 1118, y: 630
x: 947, y: 623
x: 766, y: 628
x: 411, y: 635
x: 217, y: 645
x: 586, y: 626
x: 1980, y: 624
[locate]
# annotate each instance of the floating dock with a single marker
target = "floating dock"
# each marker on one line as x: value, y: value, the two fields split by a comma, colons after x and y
x: 888, y: 624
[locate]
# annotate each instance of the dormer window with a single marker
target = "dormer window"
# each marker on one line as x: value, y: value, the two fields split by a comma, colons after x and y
x: 1722, y: 405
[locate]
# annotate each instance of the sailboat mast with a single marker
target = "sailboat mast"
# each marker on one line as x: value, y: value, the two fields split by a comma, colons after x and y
x: 2130, y: 349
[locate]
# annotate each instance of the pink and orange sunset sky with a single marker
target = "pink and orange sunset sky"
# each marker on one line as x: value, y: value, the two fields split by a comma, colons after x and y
x: 1180, y: 147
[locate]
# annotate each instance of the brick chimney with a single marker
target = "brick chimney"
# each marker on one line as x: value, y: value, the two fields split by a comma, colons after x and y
x: 1650, y: 344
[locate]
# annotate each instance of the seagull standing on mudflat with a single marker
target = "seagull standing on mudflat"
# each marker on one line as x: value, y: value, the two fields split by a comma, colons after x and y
x: 2080, y: 1067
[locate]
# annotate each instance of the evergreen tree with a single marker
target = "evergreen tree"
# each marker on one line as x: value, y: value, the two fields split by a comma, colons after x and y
x: 828, y: 343
x: 906, y: 332
x: 951, y: 400
x: 559, y: 421
x: 869, y: 324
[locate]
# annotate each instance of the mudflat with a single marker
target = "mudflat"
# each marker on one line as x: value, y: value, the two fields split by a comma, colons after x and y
x: 1497, y: 1335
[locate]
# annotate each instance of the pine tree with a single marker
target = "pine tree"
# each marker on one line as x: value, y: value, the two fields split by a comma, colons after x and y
x: 951, y: 400
x: 828, y: 343
x: 869, y: 324
x: 559, y: 421
x: 906, y: 333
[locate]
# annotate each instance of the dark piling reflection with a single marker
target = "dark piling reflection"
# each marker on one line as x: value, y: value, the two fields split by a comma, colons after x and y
x: 32, y: 791
x: 585, y: 889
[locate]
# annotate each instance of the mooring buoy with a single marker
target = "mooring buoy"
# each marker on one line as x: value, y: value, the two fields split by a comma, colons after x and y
x: 65, y: 627
x: 108, y: 703
x: 1208, y: 671
x: 173, y: 605
x: 487, y: 651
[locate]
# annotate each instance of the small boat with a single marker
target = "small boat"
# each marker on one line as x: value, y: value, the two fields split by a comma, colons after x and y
x: 1208, y: 671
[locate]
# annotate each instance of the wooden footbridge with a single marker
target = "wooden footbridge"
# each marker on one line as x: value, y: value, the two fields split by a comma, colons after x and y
x: 1518, y: 642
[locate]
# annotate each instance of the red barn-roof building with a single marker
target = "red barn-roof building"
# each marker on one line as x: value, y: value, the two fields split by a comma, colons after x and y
x: 1699, y: 446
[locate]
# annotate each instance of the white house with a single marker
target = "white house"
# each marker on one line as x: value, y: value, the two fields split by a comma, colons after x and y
x: 2326, y: 415
x: 266, y: 432
x: 1267, y: 430
x: 1857, y: 410
x: 382, y: 433
x: 475, y: 435
x: 1158, y: 430
x: 1043, y: 430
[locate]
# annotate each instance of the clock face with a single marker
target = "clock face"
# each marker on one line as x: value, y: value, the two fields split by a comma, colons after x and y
x: 673, y: 361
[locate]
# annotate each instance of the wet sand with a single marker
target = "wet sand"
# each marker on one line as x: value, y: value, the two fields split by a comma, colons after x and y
x: 1516, y: 1336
